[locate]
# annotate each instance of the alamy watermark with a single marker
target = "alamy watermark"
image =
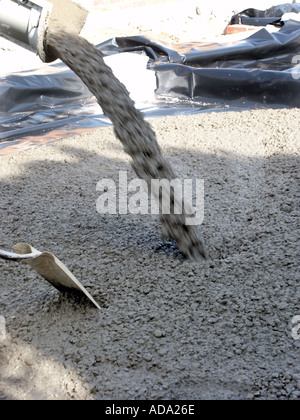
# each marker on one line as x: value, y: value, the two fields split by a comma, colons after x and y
x: 296, y: 69
x: 296, y: 327
x: 161, y: 197
x: 2, y: 328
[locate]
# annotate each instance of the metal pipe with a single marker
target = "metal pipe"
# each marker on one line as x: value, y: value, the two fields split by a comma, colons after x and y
x: 26, y: 22
x: 19, y: 21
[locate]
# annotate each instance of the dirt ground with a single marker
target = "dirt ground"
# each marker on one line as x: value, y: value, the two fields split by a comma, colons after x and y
x: 167, y: 328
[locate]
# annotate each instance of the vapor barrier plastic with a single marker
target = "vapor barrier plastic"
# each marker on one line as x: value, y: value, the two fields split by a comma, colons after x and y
x: 260, y: 71
x: 272, y: 16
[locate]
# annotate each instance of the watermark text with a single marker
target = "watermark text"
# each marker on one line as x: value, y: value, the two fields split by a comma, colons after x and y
x: 296, y: 69
x: 160, y: 197
x: 296, y: 327
x: 2, y: 328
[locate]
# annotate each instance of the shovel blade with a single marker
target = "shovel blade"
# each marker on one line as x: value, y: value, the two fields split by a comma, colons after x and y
x: 52, y: 270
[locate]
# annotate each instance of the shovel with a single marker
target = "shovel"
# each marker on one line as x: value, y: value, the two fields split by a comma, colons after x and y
x: 49, y: 267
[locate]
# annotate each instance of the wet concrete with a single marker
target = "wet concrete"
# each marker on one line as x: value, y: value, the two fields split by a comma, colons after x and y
x: 168, y: 328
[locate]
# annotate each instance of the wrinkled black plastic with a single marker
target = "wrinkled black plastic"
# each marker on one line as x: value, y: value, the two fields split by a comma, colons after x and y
x: 260, y: 71
x: 271, y: 16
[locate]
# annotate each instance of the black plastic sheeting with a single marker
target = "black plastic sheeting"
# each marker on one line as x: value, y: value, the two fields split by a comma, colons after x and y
x: 261, y: 69
x: 258, y: 72
x: 271, y: 16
